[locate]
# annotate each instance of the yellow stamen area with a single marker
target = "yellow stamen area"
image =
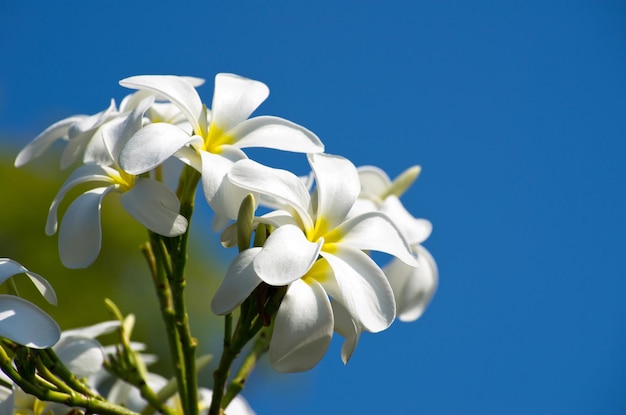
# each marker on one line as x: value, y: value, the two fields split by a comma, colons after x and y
x: 125, y: 180
x: 320, y: 229
x: 216, y: 138
x: 320, y: 272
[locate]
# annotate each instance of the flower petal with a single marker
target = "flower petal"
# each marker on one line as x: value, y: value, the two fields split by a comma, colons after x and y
x: 178, y: 90
x: 26, y: 324
x: 303, y: 328
x: 363, y: 288
x: 82, y: 356
x: 286, y: 256
x: 346, y: 327
x: 283, y: 186
x: 80, y: 235
x: 9, y: 268
x: 93, y: 331
x: 116, y: 134
x: 223, y: 196
x: 7, y: 396
x: 413, y: 287
x: 234, y: 99
x: 335, y: 197
x: 239, y: 282
x: 374, y: 182
x: 372, y: 231
x: 151, y: 146
x: 83, y: 174
x: 277, y: 133
x: 45, y: 139
x: 414, y: 230
x: 155, y: 206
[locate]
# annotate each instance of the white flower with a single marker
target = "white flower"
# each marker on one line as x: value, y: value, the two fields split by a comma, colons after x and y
x: 20, y: 320
x: 214, y: 147
x: 413, y: 287
x: 83, y: 133
x: 150, y: 202
x: 77, y: 130
x: 307, y: 229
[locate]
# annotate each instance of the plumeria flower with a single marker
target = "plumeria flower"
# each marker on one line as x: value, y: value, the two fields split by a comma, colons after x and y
x: 20, y: 320
x: 83, y: 133
x: 213, y: 147
x: 413, y: 287
x: 77, y: 130
x: 150, y: 202
x: 317, y: 251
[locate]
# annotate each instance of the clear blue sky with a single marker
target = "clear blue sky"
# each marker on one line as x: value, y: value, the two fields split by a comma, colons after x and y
x: 516, y: 111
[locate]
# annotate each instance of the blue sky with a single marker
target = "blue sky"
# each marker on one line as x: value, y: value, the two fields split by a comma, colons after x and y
x: 516, y: 111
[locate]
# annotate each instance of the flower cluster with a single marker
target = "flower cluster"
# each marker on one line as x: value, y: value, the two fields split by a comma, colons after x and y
x: 305, y: 267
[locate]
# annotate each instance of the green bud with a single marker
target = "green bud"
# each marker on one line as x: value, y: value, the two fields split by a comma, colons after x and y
x: 245, y: 220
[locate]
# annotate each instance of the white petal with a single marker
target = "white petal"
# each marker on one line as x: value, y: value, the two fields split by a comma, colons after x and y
x: 94, y: 330
x: 83, y: 174
x: 123, y: 393
x: 337, y: 188
x: 43, y: 141
x: 286, y: 256
x: 155, y: 206
x: 82, y: 356
x: 190, y: 156
x: 346, y: 327
x: 234, y: 99
x: 7, y: 397
x: 413, y: 287
x: 374, y: 182
x: 26, y: 324
x: 9, y: 268
x: 302, y: 329
x: 93, y: 148
x: 85, y: 139
x: 363, y: 288
x: 238, y: 406
x: 116, y: 135
x: 415, y: 231
x: 176, y: 89
x: 151, y: 146
x: 277, y: 218
x: 373, y: 231
x: 239, y: 282
x: 80, y: 235
x: 223, y: 196
x: 281, y: 185
x: 277, y: 133
x: 92, y: 122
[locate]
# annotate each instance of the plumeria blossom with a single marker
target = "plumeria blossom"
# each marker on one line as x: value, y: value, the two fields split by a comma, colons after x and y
x: 150, y: 202
x: 214, y: 146
x: 83, y: 133
x: 20, y: 320
x: 316, y: 250
x: 413, y: 287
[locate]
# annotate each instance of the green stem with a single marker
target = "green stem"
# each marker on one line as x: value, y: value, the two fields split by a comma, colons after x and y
x: 261, y: 346
x: 55, y: 365
x: 40, y: 392
x: 186, y: 191
x: 155, y: 253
